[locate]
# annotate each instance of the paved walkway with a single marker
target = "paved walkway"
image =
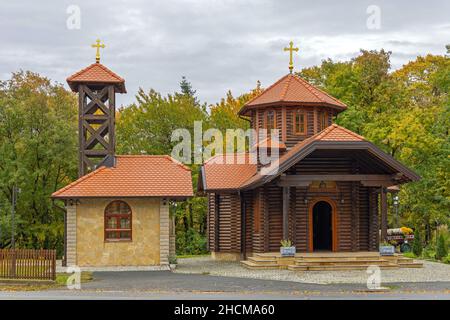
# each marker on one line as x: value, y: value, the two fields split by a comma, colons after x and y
x: 168, y: 285
x: 431, y: 272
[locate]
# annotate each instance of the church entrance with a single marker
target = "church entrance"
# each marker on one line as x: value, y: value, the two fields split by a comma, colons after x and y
x: 322, y: 226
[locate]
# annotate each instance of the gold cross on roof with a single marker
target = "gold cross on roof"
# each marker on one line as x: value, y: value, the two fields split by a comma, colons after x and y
x: 291, y: 49
x: 98, y: 46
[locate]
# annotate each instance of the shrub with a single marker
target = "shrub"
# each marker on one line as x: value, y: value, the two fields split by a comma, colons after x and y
x: 446, y: 259
x: 429, y: 253
x: 190, y: 243
x: 441, y: 247
x: 409, y: 255
x: 417, y: 244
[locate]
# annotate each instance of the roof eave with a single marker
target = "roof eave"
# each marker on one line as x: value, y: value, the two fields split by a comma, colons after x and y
x: 244, y: 110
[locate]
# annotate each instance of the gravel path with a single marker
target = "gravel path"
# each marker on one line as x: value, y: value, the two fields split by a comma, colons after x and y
x: 431, y: 272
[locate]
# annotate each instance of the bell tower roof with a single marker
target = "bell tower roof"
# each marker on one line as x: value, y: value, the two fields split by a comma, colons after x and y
x: 295, y: 91
x: 96, y: 74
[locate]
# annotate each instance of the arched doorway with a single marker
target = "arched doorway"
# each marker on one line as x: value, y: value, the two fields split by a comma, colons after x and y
x: 322, y: 225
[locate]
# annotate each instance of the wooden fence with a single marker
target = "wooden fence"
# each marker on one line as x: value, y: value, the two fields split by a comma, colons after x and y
x: 28, y: 264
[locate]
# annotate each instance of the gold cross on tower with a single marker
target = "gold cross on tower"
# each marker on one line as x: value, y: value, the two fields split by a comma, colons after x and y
x: 98, y: 46
x: 291, y: 49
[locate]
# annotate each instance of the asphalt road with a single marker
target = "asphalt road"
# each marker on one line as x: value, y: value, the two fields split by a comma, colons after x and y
x: 167, y: 285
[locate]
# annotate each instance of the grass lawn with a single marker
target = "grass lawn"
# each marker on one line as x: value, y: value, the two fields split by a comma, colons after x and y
x: 192, y: 256
x: 36, y: 285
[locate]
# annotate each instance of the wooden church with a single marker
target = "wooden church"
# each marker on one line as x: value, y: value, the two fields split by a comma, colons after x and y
x: 117, y: 212
x: 329, y: 193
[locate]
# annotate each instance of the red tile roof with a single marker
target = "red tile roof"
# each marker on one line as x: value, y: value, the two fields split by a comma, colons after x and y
x: 96, y: 73
x: 333, y: 133
x: 133, y: 176
x: 269, y: 143
x: 220, y: 174
x: 293, y: 90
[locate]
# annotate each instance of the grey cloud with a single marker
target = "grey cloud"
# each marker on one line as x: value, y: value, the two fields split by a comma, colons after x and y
x: 218, y: 44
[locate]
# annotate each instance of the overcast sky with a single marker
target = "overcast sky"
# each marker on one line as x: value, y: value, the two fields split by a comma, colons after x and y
x: 219, y: 45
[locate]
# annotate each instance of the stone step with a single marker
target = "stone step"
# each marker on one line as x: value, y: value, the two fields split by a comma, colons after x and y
x: 413, y: 264
x: 336, y: 268
x: 266, y: 261
x: 258, y: 266
x: 337, y: 262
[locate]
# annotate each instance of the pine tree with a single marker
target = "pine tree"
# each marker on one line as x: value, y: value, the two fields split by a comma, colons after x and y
x: 187, y: 90
x: 441, y: 247
x: 417, y: 244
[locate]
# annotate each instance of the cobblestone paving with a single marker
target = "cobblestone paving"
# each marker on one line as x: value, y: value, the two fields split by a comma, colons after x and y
x: 431, y: 272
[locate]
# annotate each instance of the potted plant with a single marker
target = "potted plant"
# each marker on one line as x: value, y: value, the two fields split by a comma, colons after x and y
x: 386, y: 249
x: 287, y: 249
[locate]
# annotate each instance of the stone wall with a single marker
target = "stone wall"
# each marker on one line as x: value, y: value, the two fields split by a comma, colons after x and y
x: 71, y: 236
x: 164, y: 235
x: 144, y: 249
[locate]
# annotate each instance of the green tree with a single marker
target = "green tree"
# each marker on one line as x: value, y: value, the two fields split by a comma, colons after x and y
x: 441, y: 247
x: 417, y: 244
x: 38, y: 153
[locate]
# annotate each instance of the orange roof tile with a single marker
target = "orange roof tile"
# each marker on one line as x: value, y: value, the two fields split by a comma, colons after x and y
x: 96, y: 73
x: 269, y: 143
x: 133, y: 176
x: 222, y: 173
x: 293, y: 90
x: 333, y: 133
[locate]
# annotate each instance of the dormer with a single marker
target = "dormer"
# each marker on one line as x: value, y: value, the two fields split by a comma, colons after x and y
x: 295, y: 107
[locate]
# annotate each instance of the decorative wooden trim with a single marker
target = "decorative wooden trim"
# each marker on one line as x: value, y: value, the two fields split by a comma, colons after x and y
x: 286, y: 212
x: 305, y: 122
x: 334, y: 222
x: 384, y: 222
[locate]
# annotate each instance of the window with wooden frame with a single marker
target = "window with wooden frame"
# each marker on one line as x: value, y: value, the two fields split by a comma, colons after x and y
x: 299, y: 122
x: 257, y: 212
x: 118, y: 221
x: 271, y: 120
x: 323, y: 120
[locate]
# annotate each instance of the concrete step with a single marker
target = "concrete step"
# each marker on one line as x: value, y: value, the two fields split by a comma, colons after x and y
x: 339, y: 262
x: 413, y: 264
x: 257, y: 266
x: 259, y: 260
x: 336, y: 268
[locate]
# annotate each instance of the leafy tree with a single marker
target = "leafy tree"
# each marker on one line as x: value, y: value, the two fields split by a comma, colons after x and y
x: 38, y: 153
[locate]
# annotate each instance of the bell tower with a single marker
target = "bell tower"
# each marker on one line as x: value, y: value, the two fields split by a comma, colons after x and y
x: 96, y: 86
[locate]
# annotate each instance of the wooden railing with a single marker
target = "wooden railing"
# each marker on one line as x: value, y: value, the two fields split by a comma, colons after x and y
x: 28, y: 264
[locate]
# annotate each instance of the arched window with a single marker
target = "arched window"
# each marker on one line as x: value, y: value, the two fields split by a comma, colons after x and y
x: 271, y: 120
x: 118, y: 221
x: 299, y: 122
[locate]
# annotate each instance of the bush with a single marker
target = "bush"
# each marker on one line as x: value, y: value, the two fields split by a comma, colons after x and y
x: 417, y: 244
x: 429, y: 253
x: 441, y: 247
x: 446, y: 259
x: 190, y: 243
x: 409, y: 255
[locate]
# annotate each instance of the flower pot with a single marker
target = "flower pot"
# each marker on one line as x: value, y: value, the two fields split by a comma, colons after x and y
x: 287, y: 251
x: 387, y: 250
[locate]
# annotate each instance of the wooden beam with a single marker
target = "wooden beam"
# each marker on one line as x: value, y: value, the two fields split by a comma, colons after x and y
x: 285, y: 213
x: 336, y: 177
x: 216, y: 222
x: 368, y: 180
x: 384, y: 221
